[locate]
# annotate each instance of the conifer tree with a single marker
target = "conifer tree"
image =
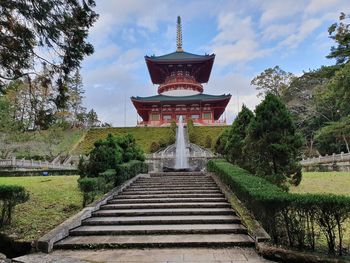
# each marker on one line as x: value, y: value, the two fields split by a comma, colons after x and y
x: 273, y: 143
x: 237, y: 134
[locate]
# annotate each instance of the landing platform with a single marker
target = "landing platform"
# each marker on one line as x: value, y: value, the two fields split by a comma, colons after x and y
x: 155, y: 255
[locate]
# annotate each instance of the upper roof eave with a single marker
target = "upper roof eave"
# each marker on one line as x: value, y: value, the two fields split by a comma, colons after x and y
x: 179, y: 57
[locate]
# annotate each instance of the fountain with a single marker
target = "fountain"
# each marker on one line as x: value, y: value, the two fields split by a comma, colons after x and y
x: 181, y: 161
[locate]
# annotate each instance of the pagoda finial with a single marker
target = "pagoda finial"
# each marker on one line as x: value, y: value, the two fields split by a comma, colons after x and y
x: 179, y: 35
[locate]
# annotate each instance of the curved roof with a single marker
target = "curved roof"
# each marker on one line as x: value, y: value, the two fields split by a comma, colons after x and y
x: 179, y: 56
x: 198, y: 65
x: 177, y: 99
x: 218, y: 102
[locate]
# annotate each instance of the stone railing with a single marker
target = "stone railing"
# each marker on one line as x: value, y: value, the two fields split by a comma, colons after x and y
x: 204, y: 154
x: 327, y: 159
x: 31, y: 164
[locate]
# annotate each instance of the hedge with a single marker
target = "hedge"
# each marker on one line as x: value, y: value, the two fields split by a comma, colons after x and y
x: 296, y: 220
x: 128, y: 170
x: 91, y: 186
x: 10, y: 196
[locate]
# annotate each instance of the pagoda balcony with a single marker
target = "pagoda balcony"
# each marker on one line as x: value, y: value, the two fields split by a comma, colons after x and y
x: 184, y: 82
x: 198, y: 122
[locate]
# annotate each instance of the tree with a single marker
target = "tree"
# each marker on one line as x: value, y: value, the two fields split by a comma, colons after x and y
x: 334, y: 137
x: 59, y: 26
x: 190, y: 131
x: 108, y: 153
x: 338, y: 93
x: 273, y: 80
x: 340, y: 33
x: 92, y: 118
x: 236, y: 137
x: 273, y: 142
x: 309, y: 111
x: 221, y: 141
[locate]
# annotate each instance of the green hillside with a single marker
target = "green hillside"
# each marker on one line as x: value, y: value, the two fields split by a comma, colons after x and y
x: 202, y: 132
x: 144, y: 136
x: 40, y: 145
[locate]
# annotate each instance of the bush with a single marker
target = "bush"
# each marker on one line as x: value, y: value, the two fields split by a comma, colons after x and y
x: 154, y: 147
x: 90, y: 187
x: 109, y: 177
x: 290, y: 219
x: 10, y: 196
x: 128, y: 170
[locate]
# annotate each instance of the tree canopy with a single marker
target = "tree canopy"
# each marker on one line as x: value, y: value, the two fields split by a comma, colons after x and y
x: 273, y: 80
x: 340, y: 33
x: 49, y: 32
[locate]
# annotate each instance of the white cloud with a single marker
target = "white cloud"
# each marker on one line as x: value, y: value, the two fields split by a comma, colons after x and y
x: 305, y: 29
x: 277, y: 31
x: 316, y: 6
x: 276, y: 10
x: 236, y: 41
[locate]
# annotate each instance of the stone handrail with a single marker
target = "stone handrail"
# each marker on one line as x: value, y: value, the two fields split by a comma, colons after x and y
x: 31, y: 164
x: 342, y: 157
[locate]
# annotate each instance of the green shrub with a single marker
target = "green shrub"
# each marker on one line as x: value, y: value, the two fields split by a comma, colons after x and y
x: 291, y: 219
x: 128, y: 170
x: 90, y: 187
x: 109, y: 177
x: 154, y: 147
x: 10, y: 196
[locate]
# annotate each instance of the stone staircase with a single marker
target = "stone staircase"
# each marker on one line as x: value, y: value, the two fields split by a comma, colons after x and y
x: 162, y: 210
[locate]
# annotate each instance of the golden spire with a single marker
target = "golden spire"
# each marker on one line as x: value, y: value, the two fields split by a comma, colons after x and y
x: 179, y: 35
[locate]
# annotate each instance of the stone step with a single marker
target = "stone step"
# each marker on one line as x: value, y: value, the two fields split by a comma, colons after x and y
x: 153, y: 220
x: 171, y: 185
x: 158, y: 229
x: 132, y: 192
x: 166, y: 200
x: 170, y: 182
x: 164, y: 212
x: 169, y: 188
x: 150, y: 196
x: 178, y: 174
x: 148, y: 241
x: 166, y: 205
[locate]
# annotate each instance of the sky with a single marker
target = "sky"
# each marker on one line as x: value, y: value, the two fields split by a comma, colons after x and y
x: 246, y: 36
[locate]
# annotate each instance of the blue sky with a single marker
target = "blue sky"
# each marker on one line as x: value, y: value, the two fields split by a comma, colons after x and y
x: 246, y: 36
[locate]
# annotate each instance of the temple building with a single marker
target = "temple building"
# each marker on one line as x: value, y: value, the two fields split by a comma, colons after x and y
x: 180, y: 76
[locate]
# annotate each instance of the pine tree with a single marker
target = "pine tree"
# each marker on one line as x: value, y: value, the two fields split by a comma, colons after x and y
x: 237, y: 134
x: 273, y: 143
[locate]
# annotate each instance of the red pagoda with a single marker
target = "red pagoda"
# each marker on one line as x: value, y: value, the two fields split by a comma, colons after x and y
x: 180, y: 93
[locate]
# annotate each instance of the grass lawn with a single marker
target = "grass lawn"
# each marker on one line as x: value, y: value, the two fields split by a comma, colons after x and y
x: 53, y: 199
x: 324, y: 182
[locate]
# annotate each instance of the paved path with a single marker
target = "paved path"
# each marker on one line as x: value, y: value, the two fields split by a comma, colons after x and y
x: 163, y: 255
